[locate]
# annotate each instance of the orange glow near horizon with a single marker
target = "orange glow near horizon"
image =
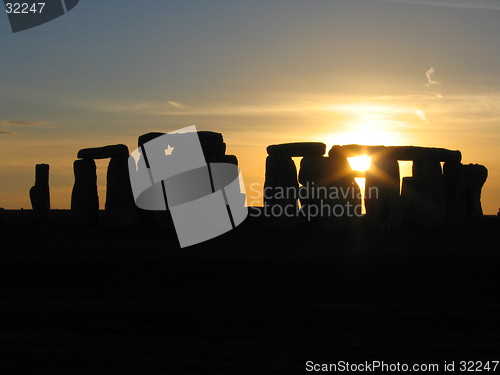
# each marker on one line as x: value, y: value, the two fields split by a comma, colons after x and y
x: 360, y: 163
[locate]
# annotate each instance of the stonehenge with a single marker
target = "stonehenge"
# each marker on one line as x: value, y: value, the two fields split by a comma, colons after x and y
x: 327, y: 182
x: 210, y: 169
x: 432, y: 197
x: 281, y: 184
x: 440, y: 191
x: 120, y: 209
x: 39, y: 193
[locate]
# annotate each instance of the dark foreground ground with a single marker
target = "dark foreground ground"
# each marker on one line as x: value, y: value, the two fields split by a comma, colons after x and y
x: 258, y: 300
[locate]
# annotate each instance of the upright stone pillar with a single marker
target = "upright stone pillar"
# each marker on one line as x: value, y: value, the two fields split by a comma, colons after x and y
x: 330, y: 190
x: 280, y: 186
x: 382, y: 198
x: 426, y: 206
x: 84, y: 198
x: 40, y: 194
x: 120, y: 208
x: 454, y: 182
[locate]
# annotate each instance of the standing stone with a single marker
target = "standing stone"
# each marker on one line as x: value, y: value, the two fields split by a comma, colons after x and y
x: 84, y: 198
x: 382, y: 199
x: 120, y: 208
x: 427, y: 190
x: 280, y: 186
x: 454, y: 182
x: 329, y: 188
x: 40, y: 194
x: 475, y: 177
x: 409, y: 202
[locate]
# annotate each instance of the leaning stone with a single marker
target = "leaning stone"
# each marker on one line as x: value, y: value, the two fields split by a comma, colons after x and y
x: 297, y: 149
x: 103, y: 152
x: 475, y: 177
x: 40, y: 194
x: 120, y: 209
x: 84, y: 198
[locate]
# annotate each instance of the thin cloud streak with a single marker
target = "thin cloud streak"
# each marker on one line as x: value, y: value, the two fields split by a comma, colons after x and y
x: 176, y: 104
x: 21, y: 123
x: 476, y: 4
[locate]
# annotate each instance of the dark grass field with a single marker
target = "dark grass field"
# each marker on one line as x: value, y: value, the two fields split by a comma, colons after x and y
x: 262, y: 299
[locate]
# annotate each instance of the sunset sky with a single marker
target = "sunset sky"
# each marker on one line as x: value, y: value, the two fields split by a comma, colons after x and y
x: 398, y: 72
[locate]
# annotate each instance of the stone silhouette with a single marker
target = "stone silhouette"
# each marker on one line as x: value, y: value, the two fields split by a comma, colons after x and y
x: 40, y: 194
x: 431, y: 197
x: 427, y: 189
x: 297, y: 149
x: 84, y: 198
x: 103, y: 152
x: 455, y: 185
x: 475, y: 177
x: 120, y: 208
x: 382, y: 198
x: 408, y: 153
x: 280, y: 186
x: 214, y: 151
x: 212, y: 143
x: 328, y: 187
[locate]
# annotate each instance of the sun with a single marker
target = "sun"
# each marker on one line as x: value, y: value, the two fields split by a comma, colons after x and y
x: 360, y: 163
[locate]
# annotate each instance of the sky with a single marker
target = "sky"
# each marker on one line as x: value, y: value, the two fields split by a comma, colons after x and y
x: 393, y: 72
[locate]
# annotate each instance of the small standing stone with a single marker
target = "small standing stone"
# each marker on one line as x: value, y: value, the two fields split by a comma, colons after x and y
x: 40, y: 194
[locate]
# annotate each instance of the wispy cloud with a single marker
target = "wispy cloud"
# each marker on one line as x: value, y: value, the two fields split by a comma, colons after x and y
x: 21, y: 123
x: 6, y: 132
x: 176, y: 104
x: 430, y: 79
x: 466, y: 4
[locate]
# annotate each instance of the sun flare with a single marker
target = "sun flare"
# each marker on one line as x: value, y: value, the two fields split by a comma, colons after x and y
x: 360, y: 163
